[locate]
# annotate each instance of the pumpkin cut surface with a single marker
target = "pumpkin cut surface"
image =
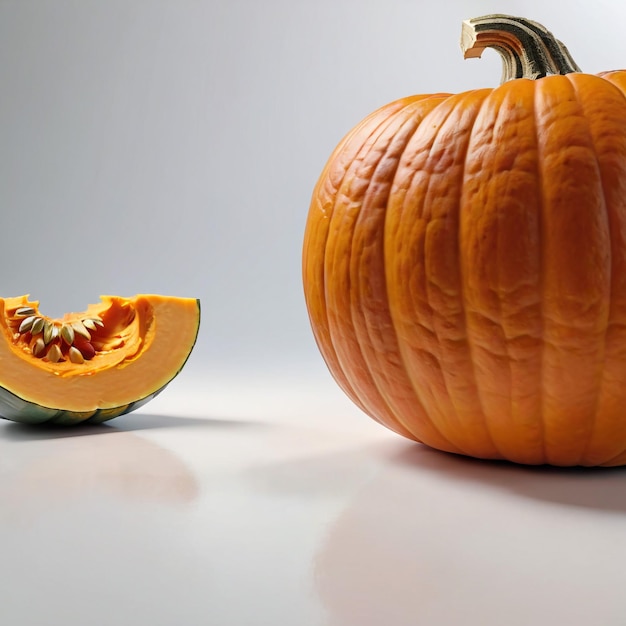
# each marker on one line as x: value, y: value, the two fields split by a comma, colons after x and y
x: 94, y: 365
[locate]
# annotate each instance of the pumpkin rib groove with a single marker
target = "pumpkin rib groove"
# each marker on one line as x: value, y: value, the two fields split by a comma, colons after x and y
x: 499, y: 253
x: 326, y: 345
x: 541, y: 265
x: 609, y: 412
x: 408, y: 114
x: 471, y: 349
x: 367, y: 390
x: 382, y: 337
x: 462, y: 160
x: 520, y: 308
x: 517, y: 384
x: 396, y: 198
x: 415, y: 205
x: 615, y: 78
x: 402, y: 220
x: 435, y: 426
x: 358, y: 296
x: 575, y: 285
x: 480, y: 318
x: 501, y: 291
x: 354, y: 296
x: 594, y: 417
x: 616, y: 330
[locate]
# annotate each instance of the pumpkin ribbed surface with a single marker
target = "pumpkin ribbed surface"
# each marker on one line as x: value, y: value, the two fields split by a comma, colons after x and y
x: 464, y: 268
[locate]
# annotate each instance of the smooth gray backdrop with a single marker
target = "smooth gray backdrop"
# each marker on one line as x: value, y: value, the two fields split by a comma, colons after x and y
x: 172, y: 146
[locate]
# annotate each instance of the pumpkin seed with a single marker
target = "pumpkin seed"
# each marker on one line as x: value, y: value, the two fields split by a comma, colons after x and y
x: 24, y: 311
x: 37, y: 326
x: 54, y: 354
x: 47, y: 331
x: 79, y: 329
x: 90, y: 324
x: 39, y: 347
x: 67, y: 334
x: 26, y: 324
x: 75, y: 355
x: 97, y: 321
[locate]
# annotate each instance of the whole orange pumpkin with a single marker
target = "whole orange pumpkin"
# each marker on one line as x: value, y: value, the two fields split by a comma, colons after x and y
x: 464, y: 261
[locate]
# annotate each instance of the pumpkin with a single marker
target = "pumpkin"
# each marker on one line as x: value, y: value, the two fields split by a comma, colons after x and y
x: 94, y: 365
x: 464, y: 259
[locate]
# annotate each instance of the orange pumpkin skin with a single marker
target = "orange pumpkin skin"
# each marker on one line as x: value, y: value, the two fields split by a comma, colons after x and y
x: 464, y: 269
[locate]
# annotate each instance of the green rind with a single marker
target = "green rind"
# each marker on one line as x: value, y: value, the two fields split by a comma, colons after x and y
x: 17, y: 409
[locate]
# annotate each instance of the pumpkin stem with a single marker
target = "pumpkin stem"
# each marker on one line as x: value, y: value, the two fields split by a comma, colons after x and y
x: 528, y: 49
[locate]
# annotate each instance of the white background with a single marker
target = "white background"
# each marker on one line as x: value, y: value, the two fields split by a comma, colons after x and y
x: 172, y: 147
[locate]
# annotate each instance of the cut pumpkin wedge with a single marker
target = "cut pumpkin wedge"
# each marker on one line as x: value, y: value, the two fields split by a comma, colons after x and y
x: 94, y: 365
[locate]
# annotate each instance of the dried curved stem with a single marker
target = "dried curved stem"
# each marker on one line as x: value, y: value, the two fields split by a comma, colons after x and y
x: 528, y: 49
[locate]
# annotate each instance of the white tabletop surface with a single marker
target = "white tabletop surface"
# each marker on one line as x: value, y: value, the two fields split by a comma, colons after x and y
x: 272, y: 501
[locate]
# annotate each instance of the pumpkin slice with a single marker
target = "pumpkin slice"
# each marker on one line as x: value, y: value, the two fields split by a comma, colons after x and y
x: 95, y: 365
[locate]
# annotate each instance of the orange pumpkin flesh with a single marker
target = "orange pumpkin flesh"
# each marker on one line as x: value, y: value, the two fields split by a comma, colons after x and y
x: 141, y: 344
x: 464, y: 268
